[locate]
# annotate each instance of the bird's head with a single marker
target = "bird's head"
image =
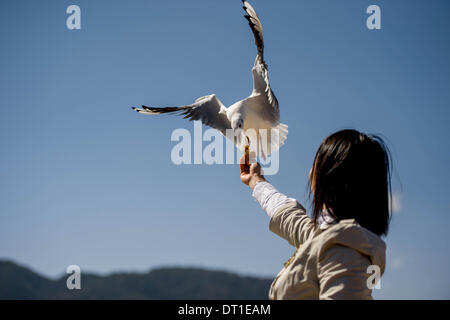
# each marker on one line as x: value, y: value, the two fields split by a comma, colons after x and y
x: 237, y: 124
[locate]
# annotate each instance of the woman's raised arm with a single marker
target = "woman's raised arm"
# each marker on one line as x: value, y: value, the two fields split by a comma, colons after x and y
x: 288, y: 218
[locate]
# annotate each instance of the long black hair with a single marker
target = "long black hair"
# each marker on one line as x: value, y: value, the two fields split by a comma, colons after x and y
x: 351, y: 177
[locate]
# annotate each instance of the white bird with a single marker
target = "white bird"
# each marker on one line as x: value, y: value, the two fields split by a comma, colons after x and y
x: 259, y: 111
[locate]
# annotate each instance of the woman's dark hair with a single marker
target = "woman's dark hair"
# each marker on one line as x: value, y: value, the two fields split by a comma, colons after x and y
x: 351, y: 177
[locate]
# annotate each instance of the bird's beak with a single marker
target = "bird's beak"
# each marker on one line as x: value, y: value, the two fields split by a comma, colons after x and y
x: 243, y: 139
x: 238, y: 133
x: 241, y: 136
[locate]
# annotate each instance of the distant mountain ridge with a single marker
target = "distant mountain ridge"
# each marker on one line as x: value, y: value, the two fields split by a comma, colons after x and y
x: 18, y: 282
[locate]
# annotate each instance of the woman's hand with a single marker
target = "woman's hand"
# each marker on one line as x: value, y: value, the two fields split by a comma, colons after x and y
x: 250, y: 172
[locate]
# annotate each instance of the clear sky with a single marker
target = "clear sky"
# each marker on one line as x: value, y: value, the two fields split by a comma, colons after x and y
x: 85, y: 180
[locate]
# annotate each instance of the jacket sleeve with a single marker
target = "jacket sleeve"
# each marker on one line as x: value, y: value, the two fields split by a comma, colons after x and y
x: 342, y: 273
x: 292, y: 223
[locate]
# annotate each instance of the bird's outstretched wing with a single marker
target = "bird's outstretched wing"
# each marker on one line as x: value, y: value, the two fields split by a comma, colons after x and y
x: 256, y: 26
x: 208, y: 109
x: 261, y: 83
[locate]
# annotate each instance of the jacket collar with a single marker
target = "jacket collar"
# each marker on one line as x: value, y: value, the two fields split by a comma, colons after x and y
x: 325, y: 219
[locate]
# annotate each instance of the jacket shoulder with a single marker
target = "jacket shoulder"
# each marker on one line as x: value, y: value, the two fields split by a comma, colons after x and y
x: 348, y: 233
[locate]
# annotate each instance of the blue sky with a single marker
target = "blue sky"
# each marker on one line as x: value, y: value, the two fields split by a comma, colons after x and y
x: 84, y: 180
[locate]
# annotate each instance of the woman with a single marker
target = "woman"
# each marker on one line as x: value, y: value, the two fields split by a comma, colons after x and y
x: 339, y: 250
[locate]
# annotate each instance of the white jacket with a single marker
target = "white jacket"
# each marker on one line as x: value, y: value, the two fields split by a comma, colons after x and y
x: 331, y: 262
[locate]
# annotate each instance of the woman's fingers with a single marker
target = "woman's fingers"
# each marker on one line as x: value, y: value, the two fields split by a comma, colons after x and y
x: 246, y: 161
x: 244, y: 164
x: 249, y: 167
x: 255, y: 168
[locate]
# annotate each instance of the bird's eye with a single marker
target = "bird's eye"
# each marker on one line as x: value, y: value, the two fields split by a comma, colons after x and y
x: 240, y: 125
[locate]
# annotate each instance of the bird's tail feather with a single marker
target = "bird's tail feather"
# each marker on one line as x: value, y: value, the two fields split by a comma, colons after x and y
x: 280, y: 136
x: 273, y: 141
x: 266, y: 141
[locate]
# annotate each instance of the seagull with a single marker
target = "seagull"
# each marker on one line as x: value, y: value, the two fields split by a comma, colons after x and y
x: 253, y: 121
